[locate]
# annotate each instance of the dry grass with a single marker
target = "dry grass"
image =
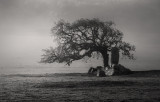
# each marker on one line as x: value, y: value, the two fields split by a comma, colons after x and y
x: 138, y: 87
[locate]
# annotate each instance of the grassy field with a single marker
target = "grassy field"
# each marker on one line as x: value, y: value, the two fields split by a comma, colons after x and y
x: 77, y: 87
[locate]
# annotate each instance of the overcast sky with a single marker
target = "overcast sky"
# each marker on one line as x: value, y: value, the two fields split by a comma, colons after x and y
x: 25, y: 27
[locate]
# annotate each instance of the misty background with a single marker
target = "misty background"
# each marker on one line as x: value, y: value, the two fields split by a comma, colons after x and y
x: 25, y: 29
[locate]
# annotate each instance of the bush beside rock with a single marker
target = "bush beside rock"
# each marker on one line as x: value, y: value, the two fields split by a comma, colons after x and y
x: 98, y: 71
x: 121, y: 70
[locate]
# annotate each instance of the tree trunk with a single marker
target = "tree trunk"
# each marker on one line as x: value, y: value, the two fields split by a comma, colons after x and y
x: 105, y: 58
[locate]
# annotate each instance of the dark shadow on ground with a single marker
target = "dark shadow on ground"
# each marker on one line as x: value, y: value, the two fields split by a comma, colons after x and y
x: 150, y: 73
x: 84, y: 84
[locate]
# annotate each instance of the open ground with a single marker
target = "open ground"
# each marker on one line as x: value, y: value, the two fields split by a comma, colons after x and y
x: 79, y: 87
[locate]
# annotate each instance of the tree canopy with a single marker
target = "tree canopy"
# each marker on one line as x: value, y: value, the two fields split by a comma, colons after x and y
x: 81, y: 38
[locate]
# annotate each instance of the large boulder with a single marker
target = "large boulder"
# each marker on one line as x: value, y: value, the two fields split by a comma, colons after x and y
x: 118, y: 70
x: 109, y: 71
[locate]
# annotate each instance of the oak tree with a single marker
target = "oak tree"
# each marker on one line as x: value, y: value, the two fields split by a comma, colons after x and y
x: 81, y: 38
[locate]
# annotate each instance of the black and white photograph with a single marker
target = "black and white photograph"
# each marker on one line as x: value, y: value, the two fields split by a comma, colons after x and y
x: 79, y: 50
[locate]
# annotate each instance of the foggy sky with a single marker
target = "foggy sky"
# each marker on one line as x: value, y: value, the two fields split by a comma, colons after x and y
x: 25, y: 27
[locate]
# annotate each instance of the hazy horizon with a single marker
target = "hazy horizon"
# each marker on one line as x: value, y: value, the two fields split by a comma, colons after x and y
x: 25, y: 30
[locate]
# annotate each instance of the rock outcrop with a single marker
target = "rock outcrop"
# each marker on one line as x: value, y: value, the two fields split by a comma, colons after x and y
x: 116, y: 70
